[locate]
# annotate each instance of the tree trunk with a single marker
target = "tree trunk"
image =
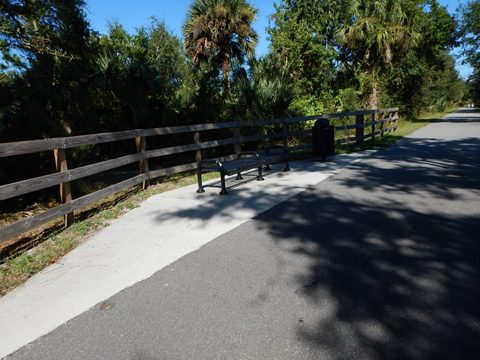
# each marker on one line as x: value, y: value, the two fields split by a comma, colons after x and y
x: 225, y: 66
x: 374, y: 95
x: 372, y: 99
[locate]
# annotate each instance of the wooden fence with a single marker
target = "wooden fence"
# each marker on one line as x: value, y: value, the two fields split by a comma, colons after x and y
x: 349, y: 127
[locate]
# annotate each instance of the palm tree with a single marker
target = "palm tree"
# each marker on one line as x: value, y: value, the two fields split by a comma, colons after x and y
x: 378, y: 28
x: 220, y: 30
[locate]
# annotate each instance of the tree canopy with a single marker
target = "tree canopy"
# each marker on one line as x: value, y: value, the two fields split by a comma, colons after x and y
x: 373, y: 34
x: 220, y: 30
x: 470, y: 35
x: 58, y: 77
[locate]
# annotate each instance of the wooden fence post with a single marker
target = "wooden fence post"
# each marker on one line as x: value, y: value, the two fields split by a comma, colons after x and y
x: 238, y: 145
x: 382, y: 124
x: 285, y: 138
x: 198, y: 153
x: 65, y: 189
x: 374, y: 118
x: 198, y: 160
x: 359, y: 131
x: 141, y: 145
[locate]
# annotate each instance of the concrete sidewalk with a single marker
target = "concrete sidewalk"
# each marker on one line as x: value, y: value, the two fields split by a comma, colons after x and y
x: 142, y: 242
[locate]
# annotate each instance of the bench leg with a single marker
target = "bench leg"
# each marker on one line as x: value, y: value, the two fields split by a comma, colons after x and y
x: 287, y: 166
x: 267, y: 167
x: 260, y: 175
x: 222, y: 183
x: 239, y: 176
x: 199, y: 181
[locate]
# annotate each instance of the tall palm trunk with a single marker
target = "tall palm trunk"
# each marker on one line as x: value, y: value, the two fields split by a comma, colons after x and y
x: 225, y: 67
x: 372, y: 92
x: 373, y: 100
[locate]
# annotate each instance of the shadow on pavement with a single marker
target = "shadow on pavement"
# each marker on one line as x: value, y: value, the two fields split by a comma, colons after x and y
x: 388, y: 252
x: 439, y: 168
x: 467, y: 111
x: 244, y: 199
x: 404, y: 280
x: 464, y: 115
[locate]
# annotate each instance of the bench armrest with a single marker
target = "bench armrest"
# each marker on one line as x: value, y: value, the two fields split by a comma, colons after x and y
x: 248, y: 154
x: 209, y: 162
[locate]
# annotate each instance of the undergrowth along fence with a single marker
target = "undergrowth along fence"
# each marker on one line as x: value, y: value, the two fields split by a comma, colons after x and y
x: 350, y: 127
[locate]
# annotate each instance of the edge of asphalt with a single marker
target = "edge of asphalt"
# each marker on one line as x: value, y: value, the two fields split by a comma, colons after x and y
x: 140, y: 243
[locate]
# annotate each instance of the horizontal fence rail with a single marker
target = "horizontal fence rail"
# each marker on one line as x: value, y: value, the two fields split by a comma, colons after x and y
x: 381, y: 121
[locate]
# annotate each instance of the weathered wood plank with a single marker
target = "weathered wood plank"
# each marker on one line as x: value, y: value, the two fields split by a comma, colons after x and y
x: 30, y: 223
x: 173, y: 170
x: 186, y: 148
x: 353, y: 126
x: 34, y: 146
x: 365, y: 124
x: 42, y: 182
x: 29, y: 147
x: 26, y: 186
x: 187, y: 128
x: 30, y: 185
x: 350, y: 139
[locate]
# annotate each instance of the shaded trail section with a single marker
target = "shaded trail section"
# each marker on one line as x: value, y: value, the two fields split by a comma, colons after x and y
x: 381, y: 261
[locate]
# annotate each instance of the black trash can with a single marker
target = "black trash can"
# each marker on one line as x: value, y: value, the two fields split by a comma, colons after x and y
x: 323, y: 139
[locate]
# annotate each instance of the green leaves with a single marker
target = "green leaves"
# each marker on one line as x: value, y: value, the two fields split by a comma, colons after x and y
x: 43, y: 27
x: 470, y: 35
x: 220, y: 30
x: 377, y: 30
x: 470, y: 32
x: 303, y: 43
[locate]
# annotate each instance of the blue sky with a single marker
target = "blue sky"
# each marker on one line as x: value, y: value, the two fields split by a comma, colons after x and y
x: 134, y: 14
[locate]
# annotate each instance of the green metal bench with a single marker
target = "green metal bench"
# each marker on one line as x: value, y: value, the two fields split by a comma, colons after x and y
x: 245, y: 160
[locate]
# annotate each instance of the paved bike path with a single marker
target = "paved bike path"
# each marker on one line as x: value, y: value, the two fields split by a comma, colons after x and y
x: 380, y: 261
x: 142, y: 242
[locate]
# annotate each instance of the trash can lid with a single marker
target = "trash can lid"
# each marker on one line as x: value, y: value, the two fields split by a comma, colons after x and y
x: 322, y: 122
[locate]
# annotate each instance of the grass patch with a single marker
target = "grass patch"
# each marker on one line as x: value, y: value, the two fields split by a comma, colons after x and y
x: 18, y: 268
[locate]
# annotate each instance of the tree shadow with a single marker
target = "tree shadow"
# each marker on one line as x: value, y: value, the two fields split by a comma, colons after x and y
x: 385, y: 254
x: 467, y: 111
x: 413, y: 165
x: 245, y: 200
x: 463, y: 115
x: 401, y: 279
x: 403, y: 284
x: 457, y: 119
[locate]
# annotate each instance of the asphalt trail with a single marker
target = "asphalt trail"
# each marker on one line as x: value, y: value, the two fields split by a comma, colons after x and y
x: 381, y: 261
